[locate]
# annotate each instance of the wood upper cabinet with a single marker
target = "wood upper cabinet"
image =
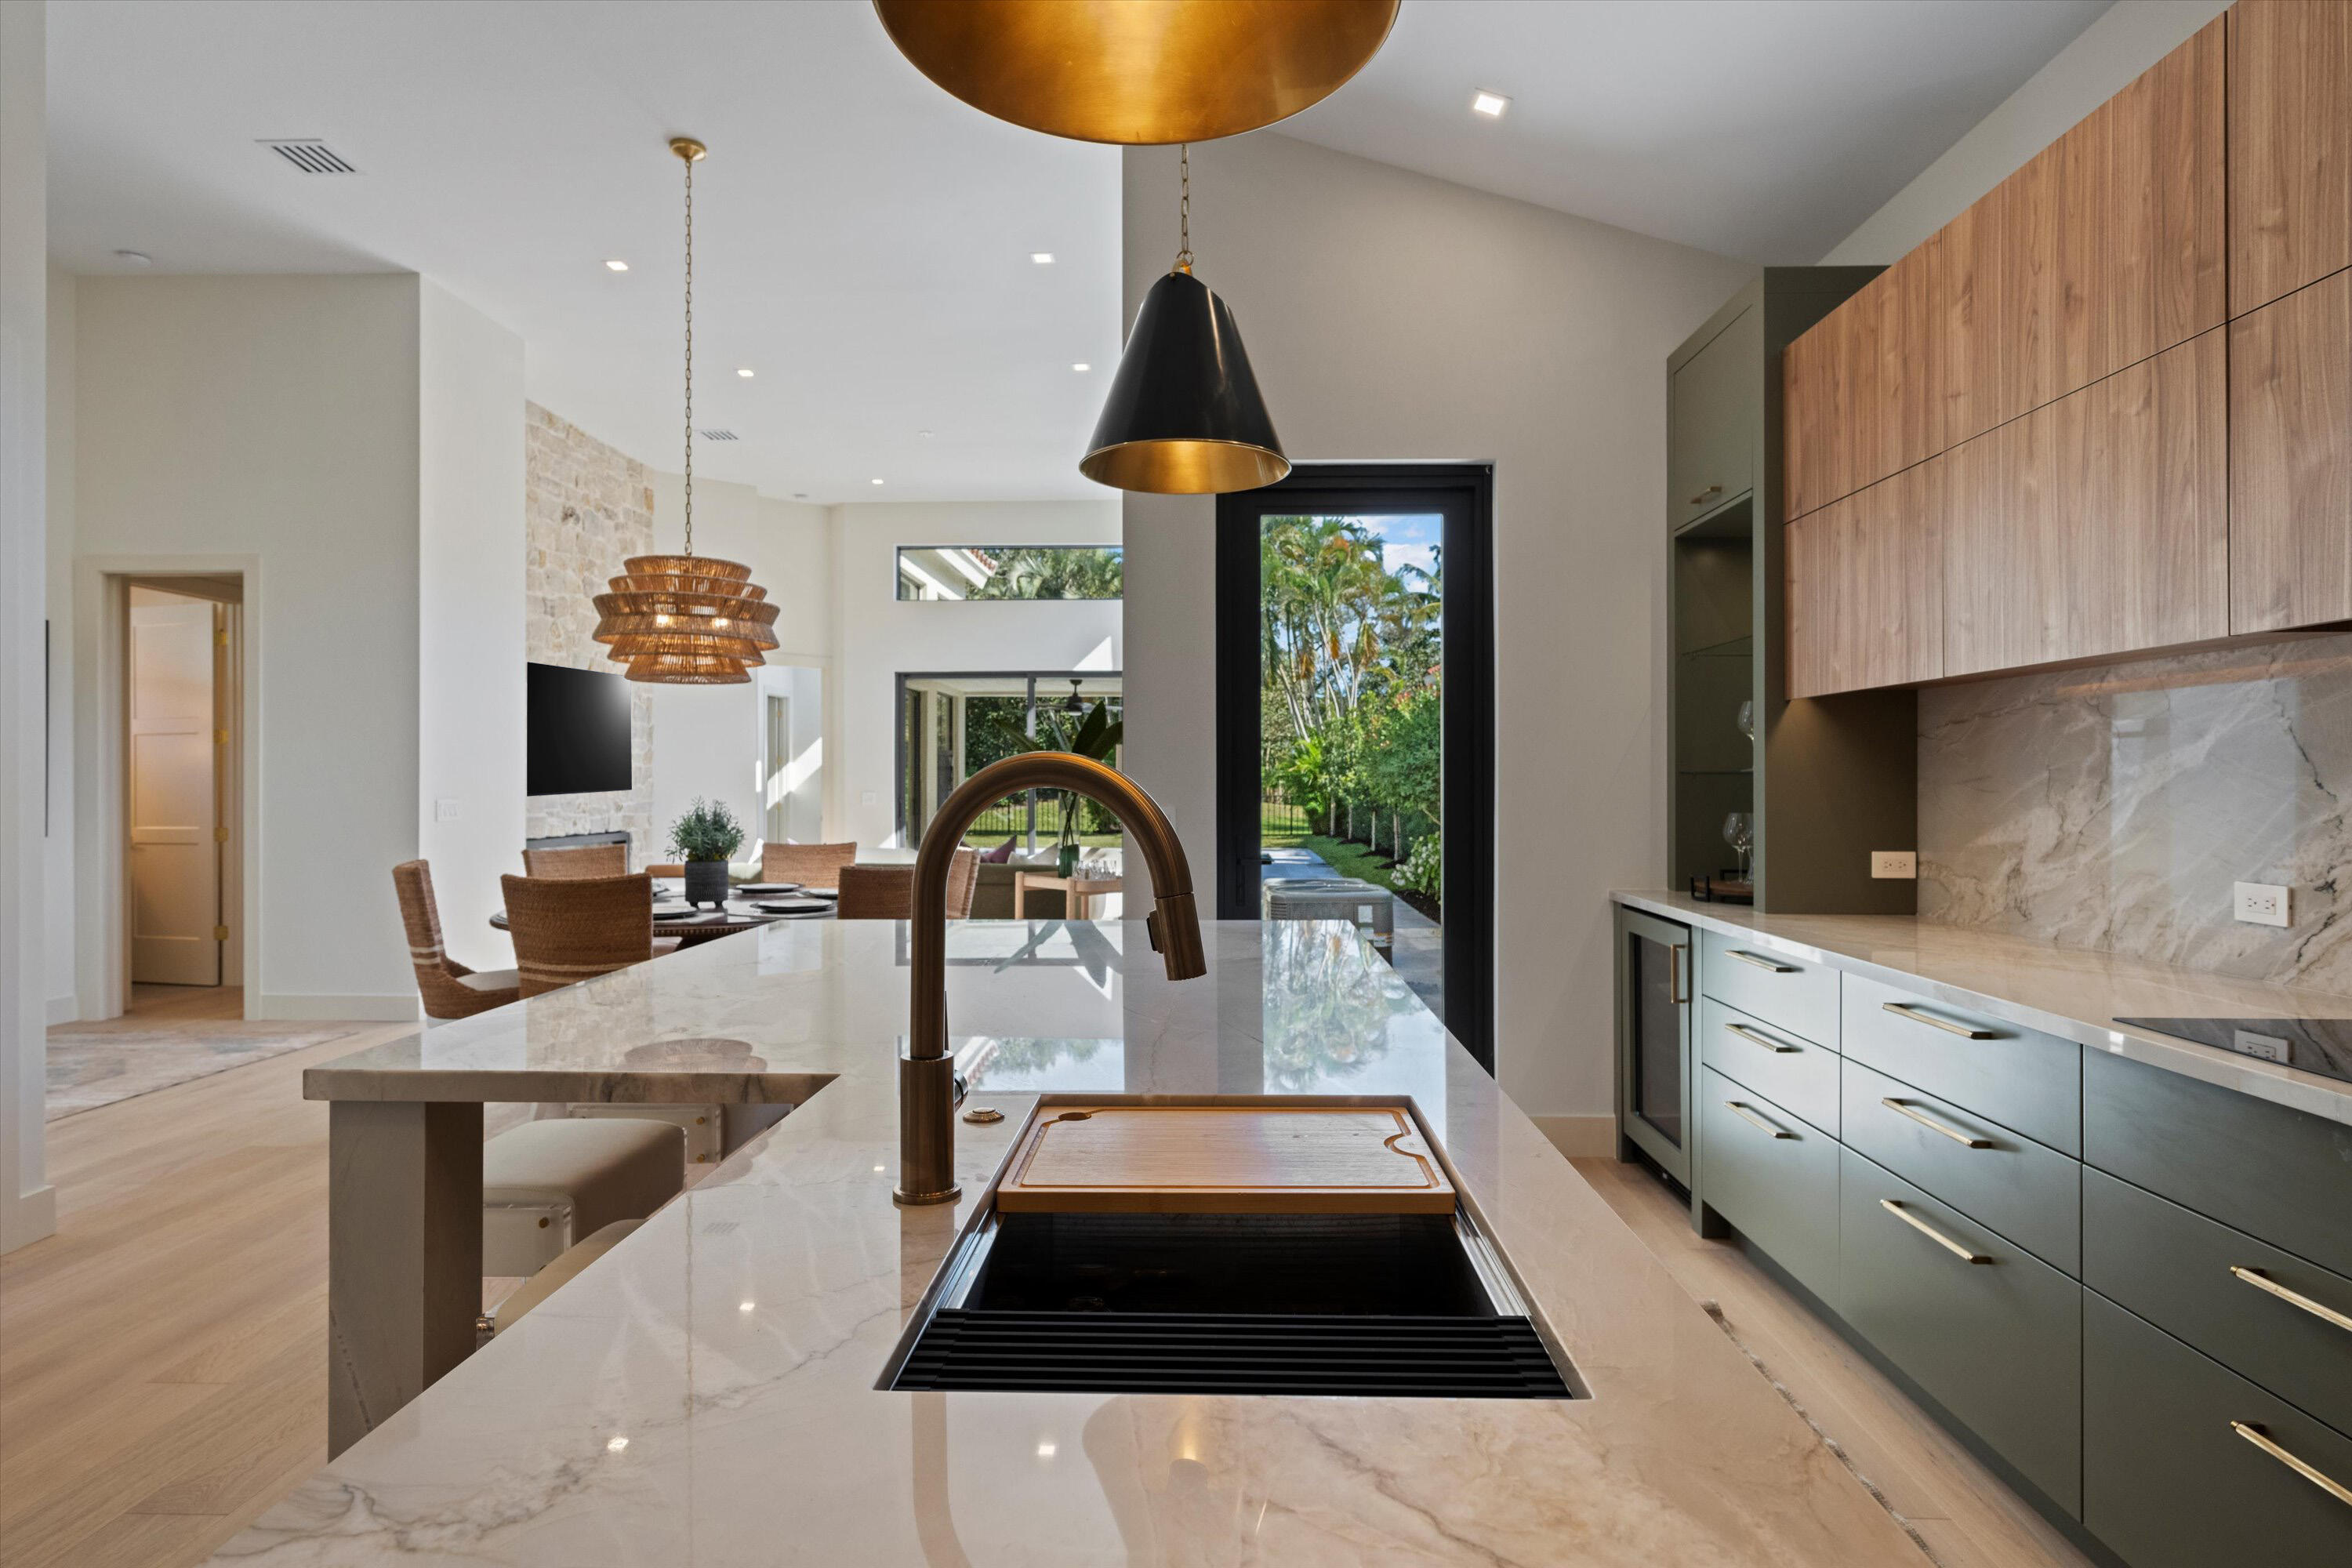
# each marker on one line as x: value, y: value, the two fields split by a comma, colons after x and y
x: 2104, y: 249
x: 2095, y: 525
x: 1865, y: 604
x: 2290, y: 460
x: 2290, y: 146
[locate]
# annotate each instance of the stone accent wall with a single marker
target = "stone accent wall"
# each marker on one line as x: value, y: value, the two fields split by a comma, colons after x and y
x: 2111, y: 808
x: 587, y: 507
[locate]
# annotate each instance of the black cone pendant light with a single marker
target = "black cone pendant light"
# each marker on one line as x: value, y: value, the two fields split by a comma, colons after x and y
x: 1184, y: 417
x: 1139, y: 73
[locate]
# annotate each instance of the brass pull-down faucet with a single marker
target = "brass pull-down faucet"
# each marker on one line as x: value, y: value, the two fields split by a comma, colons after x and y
x: 927, y: 1096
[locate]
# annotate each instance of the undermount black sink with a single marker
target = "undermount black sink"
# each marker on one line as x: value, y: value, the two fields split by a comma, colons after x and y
x: 1382, y: 1305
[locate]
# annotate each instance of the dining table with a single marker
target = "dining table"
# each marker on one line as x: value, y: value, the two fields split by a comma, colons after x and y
x: 695, y: 923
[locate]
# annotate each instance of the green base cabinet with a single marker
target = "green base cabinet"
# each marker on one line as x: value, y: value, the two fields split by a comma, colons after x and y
x: 2168, y: 1480
x: 1774, y: 1176
x: 1996, y: 1343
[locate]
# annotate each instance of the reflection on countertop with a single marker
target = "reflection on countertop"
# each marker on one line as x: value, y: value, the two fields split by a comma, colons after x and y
x: 705, y: 1394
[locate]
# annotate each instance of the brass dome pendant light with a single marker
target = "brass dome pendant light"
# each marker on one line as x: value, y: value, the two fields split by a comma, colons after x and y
x: 1139, y: 72
x: 1184, y: 417
x: 686, y: 619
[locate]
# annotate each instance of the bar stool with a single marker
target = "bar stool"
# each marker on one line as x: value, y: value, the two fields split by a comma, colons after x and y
x: 547, y: 1184
x: 561, y: 1272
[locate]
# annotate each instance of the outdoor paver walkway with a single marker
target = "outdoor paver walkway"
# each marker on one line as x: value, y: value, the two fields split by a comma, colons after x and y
x: 1419, y: 950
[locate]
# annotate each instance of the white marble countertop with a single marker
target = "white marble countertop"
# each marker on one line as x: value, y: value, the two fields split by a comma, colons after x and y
x: 2073, y: 992
x: 703, y: 1396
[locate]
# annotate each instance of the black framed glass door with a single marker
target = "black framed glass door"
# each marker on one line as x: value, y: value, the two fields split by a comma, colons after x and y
x: 1355, y: 710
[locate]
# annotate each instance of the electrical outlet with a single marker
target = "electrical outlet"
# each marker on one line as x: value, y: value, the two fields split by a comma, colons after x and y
x: 2260, y: 903
x: 1900, y: 864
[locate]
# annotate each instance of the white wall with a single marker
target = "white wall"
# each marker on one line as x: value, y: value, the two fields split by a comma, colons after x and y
x: 706, y: 739
x: 28, y: 1204
x: 57, y: 868
x: 270, y: 424
x: 2129, y: 38
x: 469, y: 590
x: 876, y: 638
x: 1392, y: 316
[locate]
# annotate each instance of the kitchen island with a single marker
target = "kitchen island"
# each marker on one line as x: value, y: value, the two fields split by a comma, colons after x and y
x: 706, y: 1392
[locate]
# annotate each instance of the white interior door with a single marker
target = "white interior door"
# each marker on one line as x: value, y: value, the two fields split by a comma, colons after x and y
x: 174, y: 856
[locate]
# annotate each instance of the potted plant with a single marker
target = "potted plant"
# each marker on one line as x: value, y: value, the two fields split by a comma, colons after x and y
x: 705, y: 838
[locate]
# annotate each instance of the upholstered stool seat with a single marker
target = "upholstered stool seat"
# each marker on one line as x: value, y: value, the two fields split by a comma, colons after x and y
x: 560, y: 1273
x: 547, y: 1185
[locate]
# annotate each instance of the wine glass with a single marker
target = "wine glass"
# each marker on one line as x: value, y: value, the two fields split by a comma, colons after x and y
x: 1740, y: 832
x: 1748, y: 720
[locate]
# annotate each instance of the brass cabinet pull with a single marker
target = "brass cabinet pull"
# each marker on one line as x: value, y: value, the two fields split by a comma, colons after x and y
x: 1931, y: 1232
x: 1911, y: 1010
x: 2262, y: 1281
x: 1966, y: 1139
x: 1758, y: 1036
x: 2315, y: 1476
x: 1760, y: 961
x: 1755, y: 1121
x: 1710, y: 490
x: 1674, y: 992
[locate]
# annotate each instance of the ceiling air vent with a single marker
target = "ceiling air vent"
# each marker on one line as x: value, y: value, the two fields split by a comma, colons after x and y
x: 719, y: 435
x: 311, y: 155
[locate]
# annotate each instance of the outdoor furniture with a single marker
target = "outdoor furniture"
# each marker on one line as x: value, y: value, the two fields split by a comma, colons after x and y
x: 888, y: 892
x: 449, y: 989
x: 811, y: 865
x: 546, y: 1184
x: 1077, y: 891
x: 1367, y: 905
x: 561, y: 1272
x: 583, y: 860
x: 568, y: 929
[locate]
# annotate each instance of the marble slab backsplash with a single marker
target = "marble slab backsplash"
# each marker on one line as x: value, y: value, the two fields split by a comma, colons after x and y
x: 2111, y: 808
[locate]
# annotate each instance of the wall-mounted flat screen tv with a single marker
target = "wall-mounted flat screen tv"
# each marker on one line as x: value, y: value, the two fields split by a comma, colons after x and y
x: 578, y: 721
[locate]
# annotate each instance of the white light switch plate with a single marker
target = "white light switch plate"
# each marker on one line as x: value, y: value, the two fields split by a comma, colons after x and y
x: 2262, y: 904
x: 446, y: 809
x: 1900, y: 864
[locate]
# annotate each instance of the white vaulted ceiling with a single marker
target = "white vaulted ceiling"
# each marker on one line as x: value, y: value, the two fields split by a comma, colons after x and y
x: 862, y: 240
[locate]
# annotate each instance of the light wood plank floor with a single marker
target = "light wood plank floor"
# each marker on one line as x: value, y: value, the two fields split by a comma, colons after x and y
x: 154, y: 1005
x: 1968, y: 1517
x: 163, y: 1357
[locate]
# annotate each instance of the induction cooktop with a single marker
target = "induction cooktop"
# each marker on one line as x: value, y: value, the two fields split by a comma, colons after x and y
x: 2322, y: 1046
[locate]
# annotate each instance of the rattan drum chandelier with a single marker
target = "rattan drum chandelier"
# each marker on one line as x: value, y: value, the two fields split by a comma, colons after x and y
x: 686, y: 619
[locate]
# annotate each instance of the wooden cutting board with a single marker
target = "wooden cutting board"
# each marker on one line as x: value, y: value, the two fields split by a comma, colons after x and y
x: 1218, y: 1158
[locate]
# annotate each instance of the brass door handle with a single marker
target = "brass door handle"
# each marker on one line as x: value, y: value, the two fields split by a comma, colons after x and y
x: 2311, y: 1473
x: 1755, y: 1121
x: 1931, y: 1232
x: 1710, y: 490
x: 1966, y: 1139
x: 1911, y: 1010
x: 1760, y: 961
x: 2262, y: 1281
x: 1758, y: 1036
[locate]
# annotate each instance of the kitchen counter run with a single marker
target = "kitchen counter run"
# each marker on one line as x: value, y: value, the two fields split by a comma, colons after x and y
x: 704, y: 1394
x: 2073, y: 992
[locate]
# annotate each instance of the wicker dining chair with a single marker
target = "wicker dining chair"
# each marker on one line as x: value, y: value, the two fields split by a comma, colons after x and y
x: 450, y: 990
x: 581, y: 861
x: 888, y: 892
x: 811, y: 865
x: 569, y: 929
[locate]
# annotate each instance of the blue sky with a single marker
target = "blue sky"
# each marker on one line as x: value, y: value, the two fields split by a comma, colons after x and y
x: 1408, y: 541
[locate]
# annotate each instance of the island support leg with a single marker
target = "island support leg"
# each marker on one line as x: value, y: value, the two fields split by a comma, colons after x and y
x: 403, y: 1255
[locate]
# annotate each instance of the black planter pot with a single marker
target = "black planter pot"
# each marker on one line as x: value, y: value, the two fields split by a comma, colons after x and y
x: 705, y: 882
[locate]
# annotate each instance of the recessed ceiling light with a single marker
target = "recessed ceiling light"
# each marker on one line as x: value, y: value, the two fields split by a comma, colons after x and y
x: 746, y: 1306
x: 1081, y: 365
x: 1490, y: 104
x: 925, y: 435
x: 744, y: 371
x: 615, y: 1445
x: 1047, y: 1449
x: 616, y: 264
x: 877, y: 481
x: 135, y: 257
x: 1042, y: 257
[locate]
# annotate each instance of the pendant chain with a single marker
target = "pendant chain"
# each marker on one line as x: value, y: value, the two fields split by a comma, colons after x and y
x: 1184, y: 210
x: 689, y: 356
